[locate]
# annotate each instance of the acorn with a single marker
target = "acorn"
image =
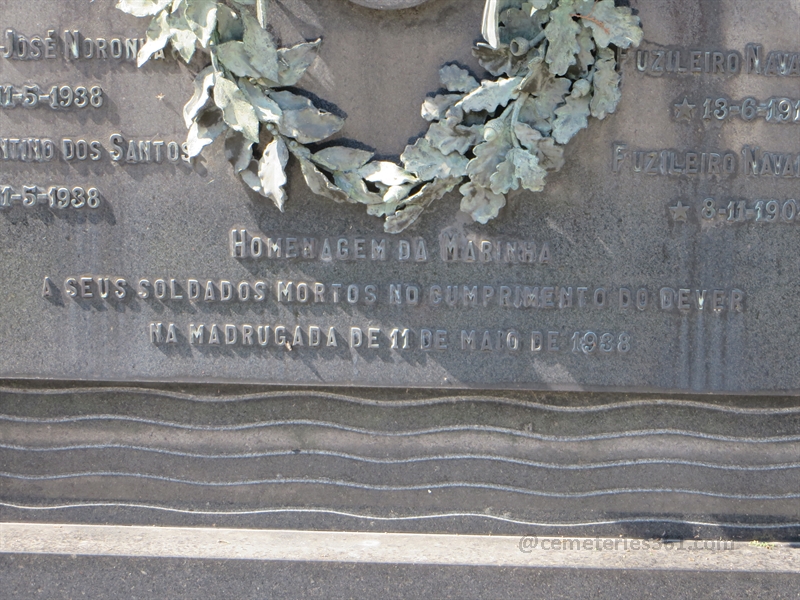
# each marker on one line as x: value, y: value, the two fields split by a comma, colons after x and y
x: 580, y: 88
x: 519, y: 46
x: 492, y: 130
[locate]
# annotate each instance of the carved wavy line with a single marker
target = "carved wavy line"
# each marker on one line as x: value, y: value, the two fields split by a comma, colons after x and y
x: 404, y: 488
x: 410, y: 433
x: 408, y: 403
x: 728, y: 525
x: 414, y: 459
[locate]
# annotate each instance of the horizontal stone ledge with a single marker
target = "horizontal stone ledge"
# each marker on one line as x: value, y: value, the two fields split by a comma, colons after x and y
x: 398, y: 548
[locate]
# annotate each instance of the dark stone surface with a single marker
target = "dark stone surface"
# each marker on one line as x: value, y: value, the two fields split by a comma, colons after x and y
x: 65, y: 577
x: 389, y: 4
x: 555, y: 464
x: 672, y: 462
x: 605, y: 230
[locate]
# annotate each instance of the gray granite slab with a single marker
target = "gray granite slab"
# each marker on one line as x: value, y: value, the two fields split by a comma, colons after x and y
x: 417, y: 461
x: 622, y: 224
x: 60, y: 577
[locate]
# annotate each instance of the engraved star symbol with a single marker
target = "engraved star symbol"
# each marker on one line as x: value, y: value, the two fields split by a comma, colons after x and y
x: 680, y: 212
x: 684, y: 110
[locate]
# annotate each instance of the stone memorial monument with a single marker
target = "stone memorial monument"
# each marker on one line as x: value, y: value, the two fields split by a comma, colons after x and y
x: 445, y: 265
x: 579, y: 147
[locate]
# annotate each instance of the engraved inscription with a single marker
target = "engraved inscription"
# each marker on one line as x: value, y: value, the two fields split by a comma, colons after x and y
x: 320, y: 337
x: 59, y: 197
x: 453, y: 247
x: 56, y: 97
x: 461, y: 297
x: 759, y: 163
x: 458, y: 247
x: 740, y: 211
x: 659, y: 258
x: 120, y: 150
x: 71, y: 45
x: 658, y: 62
x: 755, y: 60
x: 671, y: 162
x: 774, y: 110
